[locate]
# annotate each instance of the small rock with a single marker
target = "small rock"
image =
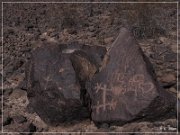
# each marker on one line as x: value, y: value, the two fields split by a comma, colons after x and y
x: 158, y: 41
x: 162, y: 39
x: 159, y: 74
x: 17, y: 93
x: 174, y: 48
x: 173, y: 90
x: 168, y: 78
x: 53, y: 34
x: 19, y: 119
x: 91, y: 29
x: 108, y: 40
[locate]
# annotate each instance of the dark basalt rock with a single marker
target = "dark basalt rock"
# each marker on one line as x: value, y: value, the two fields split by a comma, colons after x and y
x: 126, y: 88
x: 54, y: 90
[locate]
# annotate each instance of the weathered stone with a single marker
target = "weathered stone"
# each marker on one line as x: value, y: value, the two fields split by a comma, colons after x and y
x: 173, y: 90
x: 162, y: 39
x: 167, y: 78
x: 54, y: 89
x: 126, y: 88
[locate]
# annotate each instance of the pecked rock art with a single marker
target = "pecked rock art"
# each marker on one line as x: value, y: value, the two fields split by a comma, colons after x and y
x: 105, y: 104
x: 126, y: 88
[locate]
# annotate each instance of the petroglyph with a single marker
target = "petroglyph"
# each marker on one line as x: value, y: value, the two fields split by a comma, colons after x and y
x: 99, y: 87
x: 123, y: 84
x: 126, y: 81
x: 136, y: 83
x: 110, y: 106
x: 105, y: 104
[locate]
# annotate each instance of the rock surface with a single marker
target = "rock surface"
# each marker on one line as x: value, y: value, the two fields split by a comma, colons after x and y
x: 126, y: 88
x: 53, y: 88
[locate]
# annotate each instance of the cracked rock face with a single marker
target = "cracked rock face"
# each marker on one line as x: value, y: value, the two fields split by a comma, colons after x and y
x: 54, y: 90
x: 126, y: 89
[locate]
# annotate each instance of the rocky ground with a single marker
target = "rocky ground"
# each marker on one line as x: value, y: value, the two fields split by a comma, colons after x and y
x: 24, y: 25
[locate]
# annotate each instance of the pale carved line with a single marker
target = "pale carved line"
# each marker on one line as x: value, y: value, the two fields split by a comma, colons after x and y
x: 137, y: 80
x: 104, y: 104
x: 111, y: 105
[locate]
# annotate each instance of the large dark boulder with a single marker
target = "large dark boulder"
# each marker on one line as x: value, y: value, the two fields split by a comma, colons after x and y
x: 54, y: 90
x: 126, y: 88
